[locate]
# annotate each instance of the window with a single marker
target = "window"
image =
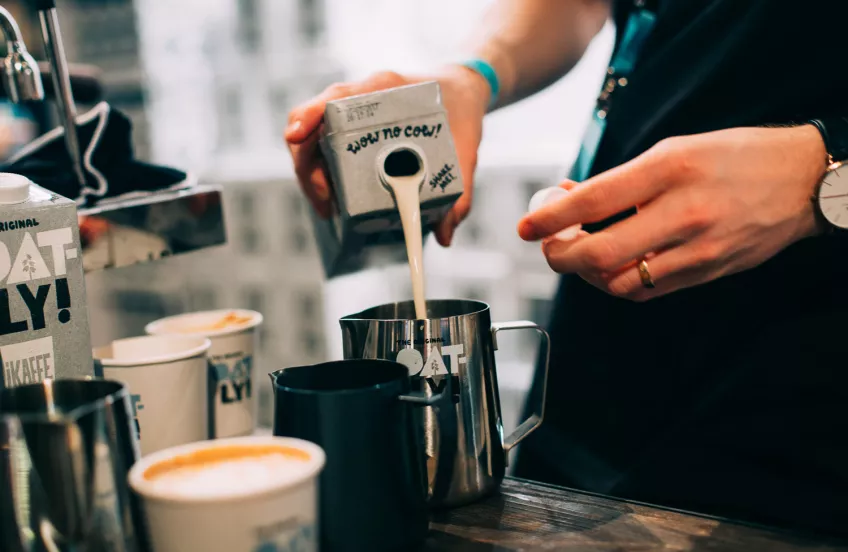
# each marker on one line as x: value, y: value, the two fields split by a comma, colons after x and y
x: 141, y: 301
x: 280, y: 105
x: 299, y: 241
x: 264, y: 337
x: 230, y: 117
x: 311, y: 343
x: 231, y: 102
x: 472, y: 230
x: 307, y: 306
x: 250, y: 241
x: 311, y: 21
x: 105, y: 31
x: 294, y: 205
x: 245, y: 202
x: 254, y: 299
x: 204, y: 298
x: 249, y: 32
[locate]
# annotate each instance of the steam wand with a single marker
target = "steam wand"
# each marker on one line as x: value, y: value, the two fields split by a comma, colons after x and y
x: 61, y: 81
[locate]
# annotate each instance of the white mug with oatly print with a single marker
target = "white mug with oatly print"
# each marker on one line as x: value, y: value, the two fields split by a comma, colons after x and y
x: 233, y: 333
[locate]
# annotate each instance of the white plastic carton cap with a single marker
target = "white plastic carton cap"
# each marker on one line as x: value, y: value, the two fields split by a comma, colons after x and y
x: 14, y: 188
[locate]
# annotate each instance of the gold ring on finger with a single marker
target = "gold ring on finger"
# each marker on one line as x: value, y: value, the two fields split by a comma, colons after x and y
x: 645, y: 275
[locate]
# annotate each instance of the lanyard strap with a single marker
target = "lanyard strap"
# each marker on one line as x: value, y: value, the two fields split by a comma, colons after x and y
x: 639, y: 27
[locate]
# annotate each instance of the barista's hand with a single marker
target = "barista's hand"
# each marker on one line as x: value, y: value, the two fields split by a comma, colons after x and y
x: 708, y: 205
x: 465, y: 95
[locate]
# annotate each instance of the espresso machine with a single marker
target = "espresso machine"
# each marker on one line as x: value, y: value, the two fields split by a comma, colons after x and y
x: 66, y: 444
x: 136, y: 227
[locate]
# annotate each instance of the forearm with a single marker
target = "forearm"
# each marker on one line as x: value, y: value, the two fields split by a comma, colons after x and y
x: 533, y: 43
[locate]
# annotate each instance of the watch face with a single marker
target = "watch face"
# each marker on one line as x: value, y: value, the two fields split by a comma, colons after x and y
x: 833, y: 196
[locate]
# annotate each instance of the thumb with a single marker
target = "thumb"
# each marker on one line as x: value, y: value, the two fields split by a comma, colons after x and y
x: 303, y: 121
x: 306, y: 118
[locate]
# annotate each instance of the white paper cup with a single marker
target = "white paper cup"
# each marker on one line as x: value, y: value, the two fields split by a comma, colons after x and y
x: 254, y: 509
x: 167, y: 378
x: 232, y: 354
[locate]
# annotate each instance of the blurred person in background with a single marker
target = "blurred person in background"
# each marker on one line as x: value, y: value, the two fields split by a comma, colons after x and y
x: 699, y: 330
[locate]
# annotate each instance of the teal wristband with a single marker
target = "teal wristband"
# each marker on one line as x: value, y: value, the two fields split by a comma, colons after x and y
x: 488, y: 72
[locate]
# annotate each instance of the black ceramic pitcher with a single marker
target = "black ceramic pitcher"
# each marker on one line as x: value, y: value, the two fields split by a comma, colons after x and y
x: 373, y: 490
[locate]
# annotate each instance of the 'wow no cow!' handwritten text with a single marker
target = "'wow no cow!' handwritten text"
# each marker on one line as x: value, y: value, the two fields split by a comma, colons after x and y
x: 391, y: 133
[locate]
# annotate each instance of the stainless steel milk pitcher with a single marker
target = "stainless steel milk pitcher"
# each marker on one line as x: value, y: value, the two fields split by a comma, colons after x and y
x: 365, y: 139
x: 65, y: 449
x: 458, y: 340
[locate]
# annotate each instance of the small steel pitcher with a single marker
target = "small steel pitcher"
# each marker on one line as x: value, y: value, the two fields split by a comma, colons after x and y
x: 66, y: 447
x: 457, y: 341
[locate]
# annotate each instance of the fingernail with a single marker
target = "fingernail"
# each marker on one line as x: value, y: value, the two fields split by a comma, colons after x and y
x: 294, y: 127
x: 569, y: 233
x: 322, y: 193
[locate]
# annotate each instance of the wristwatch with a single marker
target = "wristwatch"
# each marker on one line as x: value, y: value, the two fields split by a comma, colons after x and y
x: 831, y: 198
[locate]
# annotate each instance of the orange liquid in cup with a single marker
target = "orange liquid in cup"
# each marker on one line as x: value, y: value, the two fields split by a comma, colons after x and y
x: 219, y: 471
x: 231, y: 320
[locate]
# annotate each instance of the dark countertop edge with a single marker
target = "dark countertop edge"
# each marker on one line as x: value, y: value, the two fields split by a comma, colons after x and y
x: 823, y: 538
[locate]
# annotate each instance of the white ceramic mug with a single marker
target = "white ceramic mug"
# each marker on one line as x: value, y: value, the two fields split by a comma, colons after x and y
x: 227, y: 496
x: 233, y: 333
x: 168, y: 380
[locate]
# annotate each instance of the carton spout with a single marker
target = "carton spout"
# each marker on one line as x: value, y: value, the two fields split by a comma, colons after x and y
x: 402, y: 165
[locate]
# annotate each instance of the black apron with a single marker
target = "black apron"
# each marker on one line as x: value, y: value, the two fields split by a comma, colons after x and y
x: 730, y: 398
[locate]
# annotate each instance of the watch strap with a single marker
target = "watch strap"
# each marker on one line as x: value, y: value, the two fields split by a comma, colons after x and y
x: 834, y: 131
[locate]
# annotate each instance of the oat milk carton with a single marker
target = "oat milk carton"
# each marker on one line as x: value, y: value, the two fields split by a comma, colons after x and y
x: 44, y: 330
x: 362, y: 135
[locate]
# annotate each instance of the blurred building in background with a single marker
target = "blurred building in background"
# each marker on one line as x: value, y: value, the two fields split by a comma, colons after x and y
x: 209, y: 84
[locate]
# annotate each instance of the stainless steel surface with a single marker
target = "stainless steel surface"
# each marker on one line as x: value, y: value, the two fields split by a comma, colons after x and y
x: 458, y: 337
x: 22, y: 78
x: 65, y: 449
x: 62, y: 86
x: 532, y: 423
x: 142, y: 229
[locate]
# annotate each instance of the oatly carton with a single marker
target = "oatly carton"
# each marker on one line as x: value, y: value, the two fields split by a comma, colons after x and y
x: 362, y: 136
x: 44, y: 330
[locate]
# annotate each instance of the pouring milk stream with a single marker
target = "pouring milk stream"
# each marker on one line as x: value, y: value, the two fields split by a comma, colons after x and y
x: 404, y: 174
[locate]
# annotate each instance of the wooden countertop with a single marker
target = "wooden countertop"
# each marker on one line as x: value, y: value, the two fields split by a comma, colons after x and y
x: 530, y: 517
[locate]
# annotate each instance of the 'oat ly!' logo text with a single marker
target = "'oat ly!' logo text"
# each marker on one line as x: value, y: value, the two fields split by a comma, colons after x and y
x: 434, y: 368
x: 29, y: 265
x: 234, y: 383
x: 136, y: 406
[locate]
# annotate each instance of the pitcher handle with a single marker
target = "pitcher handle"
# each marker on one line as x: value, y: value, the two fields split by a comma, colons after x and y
x: 445, y: 409
x: 532, y: 423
